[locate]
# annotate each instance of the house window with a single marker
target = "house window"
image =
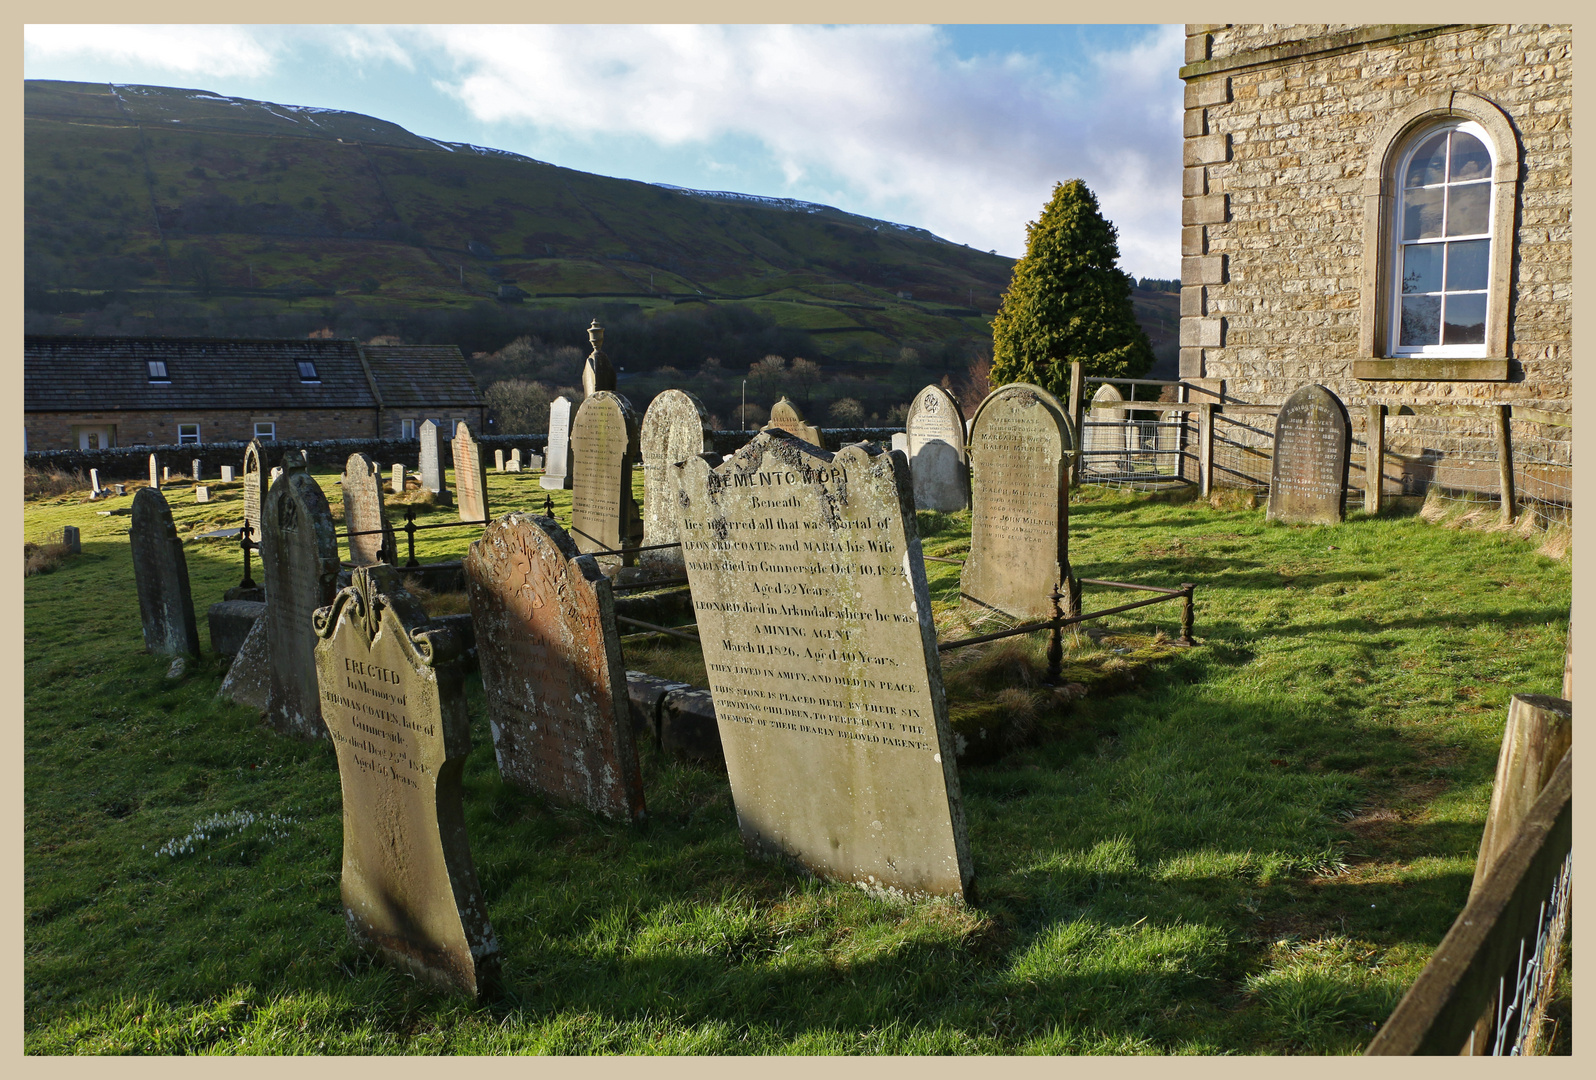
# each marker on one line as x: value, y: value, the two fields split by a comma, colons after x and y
x: 307, y: 372
x: 158, y: 371
x: 187, y: 433
x: 265, y: 429
x: 407, y: 429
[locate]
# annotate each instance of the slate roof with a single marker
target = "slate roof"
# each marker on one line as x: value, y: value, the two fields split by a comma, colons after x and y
x: 422, y: 376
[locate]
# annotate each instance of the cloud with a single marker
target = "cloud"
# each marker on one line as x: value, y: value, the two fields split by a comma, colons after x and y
x: 182, y: 50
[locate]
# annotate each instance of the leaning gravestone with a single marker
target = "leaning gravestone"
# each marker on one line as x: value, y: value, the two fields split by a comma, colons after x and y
x: 370, y: 533
x: 544, y: 619
x: 95, y: 490
x: 675, y: 428
x: 937, y: 462
x: 1313, y: 443
x: 604, y: 513
x: 470, y: 478
x: 557, y: 458
x: 1020, y: 444
x: 392, y: 696
x: 597, y: 371
x: 812, y: 606
x: 431, y: 463
x: 784, y: 415
x: 299, y: 567
x: 160, y: 572
x: 155, y: 472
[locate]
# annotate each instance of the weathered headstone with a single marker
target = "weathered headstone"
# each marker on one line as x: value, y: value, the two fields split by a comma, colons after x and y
x: 160, y: 572
x: 534, y: 461
x: 498, y: 460
x: 366, y: 523
x: 398, y: 480
x: 557, y: 458
x: 202, y: 493
x: 544, y: 618
x: 254, y: 490
x: 514, y: 464
x: 391, y: 694
x: 675, y: 428
x: 597, y: 371
x: 166, y: 474
x: 155, y: 472
x: 121, y: 489
x: 1106, y: 449
x: 431, y: 463
x: 248, y: 680
x: 812, y: 606
x: 937, y: 461
x: 900, y: 443
x: 196, y: 468
x: 604, y: 513
x: 299, y: 568
x: 785, y: 416
x: 1020, y: 444
x: 94, y: 483
x: 227, y: 474
x: 470, y: 478
x: 1313, y: 443
x: 72, y: 538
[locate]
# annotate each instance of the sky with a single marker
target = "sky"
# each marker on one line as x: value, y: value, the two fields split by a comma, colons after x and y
x: 962, y: 130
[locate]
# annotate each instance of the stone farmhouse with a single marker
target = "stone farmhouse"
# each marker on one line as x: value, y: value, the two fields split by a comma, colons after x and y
x: 90, y: 393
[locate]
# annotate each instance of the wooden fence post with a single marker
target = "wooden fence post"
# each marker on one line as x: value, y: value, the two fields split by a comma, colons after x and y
x: 1504, y: 463
x: 1077, y: 412
x: 1205, y: 449
x: 1374, y: 461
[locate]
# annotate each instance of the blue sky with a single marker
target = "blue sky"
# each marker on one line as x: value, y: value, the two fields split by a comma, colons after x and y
x: 962, y: 130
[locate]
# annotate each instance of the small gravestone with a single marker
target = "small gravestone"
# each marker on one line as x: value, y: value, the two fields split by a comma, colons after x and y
x: 1020, y: 445
x: 431, y: 463
x: 813, y: 610
x: 1106, y: 448
x: 784, y: 415
x: 253, y: 488
x: 498, y: 460
x: 366, y: 521
x: 72, y: 539
x: 597, y: 371
x: 202, y: 493
x: 95, y: 490
x: 604, y: 513
x: 227, y: 474
x: 534, y: 461
x: 197, y: 467
x: 398, y: 480
x: 121, y: 489
x: 160, y: 572
x: 166, y: 474
x: 675, y: 428
x: 1313, y: 443
x: 544, y: 619
x: 937, y: 461
x: 470, y: 478
x: 557, y: 457
x: 299, y: 568
x: 514, y: 464
x: 900, y: 443
x: 391, y: 694
x: 155, y: 472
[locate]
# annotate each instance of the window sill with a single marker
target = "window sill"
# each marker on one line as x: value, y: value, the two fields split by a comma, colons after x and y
x: 1432, y: 369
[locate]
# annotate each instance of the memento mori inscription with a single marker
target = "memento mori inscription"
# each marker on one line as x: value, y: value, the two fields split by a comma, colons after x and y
x: 1020, y: 442
x: 470, y: 477
x: 299, y: 565
x: 1313, y: 443
x: 935, y: 430
x: 812, y: 606
x: 392, y: 699
x: 160, y: 572
x: 604, y: 513
x: 675, y: 428
x: 557, y: 458
x: 366, y: 521
x: 551, y: 667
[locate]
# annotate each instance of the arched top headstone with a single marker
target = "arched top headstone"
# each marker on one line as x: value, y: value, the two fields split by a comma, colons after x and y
x: 299, y: 566
x: 784, y: 415
x: 366, y: 523
x: 1313, y: 445
x: 936, y: 450
x: 160, y: 572
x: 254, y: 489
x: 597, y: 371
x: 604, y: 443
x: 557, y: 456
x: 1107, y: 401
x: 675, y: 428
x: 470, y: 476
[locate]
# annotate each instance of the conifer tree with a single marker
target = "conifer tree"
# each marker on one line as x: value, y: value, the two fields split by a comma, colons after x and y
x: 1068, y: 301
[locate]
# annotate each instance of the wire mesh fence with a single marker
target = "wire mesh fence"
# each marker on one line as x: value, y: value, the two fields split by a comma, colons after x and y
x: 1520, y: 1012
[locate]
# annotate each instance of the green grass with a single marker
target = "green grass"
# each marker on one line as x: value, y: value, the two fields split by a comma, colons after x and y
x: 1252, y: 847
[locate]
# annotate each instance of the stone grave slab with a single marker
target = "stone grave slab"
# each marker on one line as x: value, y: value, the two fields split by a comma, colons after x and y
x: 155, y: 472
x: 160, y: 572
x: 811, y: 599
x: 365, y: 514
x: 202, y: 493
x: 675, y: 428
x: 431, y: 463
x: 597, y: 371
x: 1020, y: 444
x: 785, y: 416
x: 299, y: 568
x: 514, y: 464
x: 498, y: 460
x: 1313, y: 444
x: 557, y: 458
x: 604, y: 442
x: 391, y: 693
x: 937, y: 459
x: 470, y: 477
x: 227, y: 474
x: 544, y: 618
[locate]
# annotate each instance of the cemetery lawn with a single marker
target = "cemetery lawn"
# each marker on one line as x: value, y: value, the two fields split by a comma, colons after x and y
x: 1253, y: 848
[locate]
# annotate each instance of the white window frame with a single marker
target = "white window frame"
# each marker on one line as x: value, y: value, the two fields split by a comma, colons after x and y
x: 407, y: 428
x: 157, y: 376
x: 314, y: 378
x: 271, y: 429
x: 186, y: 438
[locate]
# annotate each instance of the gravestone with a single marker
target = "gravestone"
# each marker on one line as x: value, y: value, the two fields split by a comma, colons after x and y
x: 121, y: 489
x: 470, y: 478
x: 597, y: 371
x: 392, y: 696
x: 253, y: 488
x: 514, y: 464
x: 431, y: 463
x: 675, y: 428
x: 900, y: 443
x: 1313, y: 443
x: 937, y: 461
x: 604, y: 513
x: 166, y: 474
x: 248, y: 680
x: 1020, y: 445
x: 197, y: 467
x: 277, y: 470
x: 498, y: 460
x: 534, y: 461
x: 160, y: 573
x: 1106, y: 449
x: 557, y: 457
x: 72, y: 539
x: 812, y: 605
x: 784, y: 415
x: 227, y: 474
x: 202, y: 493
x: 155, y: 473
x: 364, y: 514
x: 544, y: 618
x: 95, y: 490
x: 299, y: 568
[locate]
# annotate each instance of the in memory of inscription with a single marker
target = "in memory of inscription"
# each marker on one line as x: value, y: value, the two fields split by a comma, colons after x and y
x: 1020, y: 443
x: 299, y: 567
x: 675, y: 428
x: 811, y: 600
x: 552, y: 674
x: 604, y: 443
x: 391, y: 692
x: 935, y: 434
x: 160, y: 572
x: 557, y: 458
x: 1313, y: 445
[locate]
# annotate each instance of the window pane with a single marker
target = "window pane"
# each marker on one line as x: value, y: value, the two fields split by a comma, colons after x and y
x: 1421, y: 268
x: 1421, y: 320
x: 1468, y: 209
x: 1421, y: 213
x: 1467, y: 264
x: 1429, y: 163
x: 1470, y: 161
x: 1465, y: 319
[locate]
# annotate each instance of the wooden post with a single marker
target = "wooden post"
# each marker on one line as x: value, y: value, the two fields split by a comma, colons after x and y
x: 1374, y: 461
x: 1504, y: 463
x: 1568, y: 660
x: 1077, y: 414
x: 1205, y: 448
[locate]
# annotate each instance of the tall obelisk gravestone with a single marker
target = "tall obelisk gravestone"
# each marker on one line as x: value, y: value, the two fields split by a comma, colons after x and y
x: 1313, y: 445
x: 675, y: 428
x: 299, y: 564
x: 160, y: 572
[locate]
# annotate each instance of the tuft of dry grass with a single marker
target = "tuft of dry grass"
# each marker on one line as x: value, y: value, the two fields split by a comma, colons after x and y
x: 437, y: 604
x: 43, y: 558
x: 1232, y: 499
x: 40, y: 483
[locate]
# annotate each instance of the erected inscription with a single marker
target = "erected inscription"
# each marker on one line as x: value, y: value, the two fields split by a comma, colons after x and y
x: 811, y: 601
x: 785, y: 416
x: 1313, y: 444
